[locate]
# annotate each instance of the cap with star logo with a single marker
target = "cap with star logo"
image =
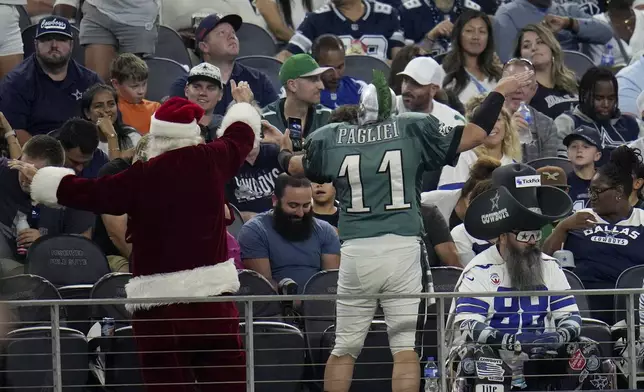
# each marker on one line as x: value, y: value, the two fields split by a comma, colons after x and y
x: 517, y: 201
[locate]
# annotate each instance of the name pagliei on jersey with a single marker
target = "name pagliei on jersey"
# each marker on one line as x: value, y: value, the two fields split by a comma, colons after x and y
x: 376, y: 133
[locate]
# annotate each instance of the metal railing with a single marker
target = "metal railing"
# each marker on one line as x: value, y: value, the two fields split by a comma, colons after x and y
x: 441, y: 331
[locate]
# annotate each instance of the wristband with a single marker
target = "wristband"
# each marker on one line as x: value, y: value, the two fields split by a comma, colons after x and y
x: 487, y: 114
x: 283, y: 158
x: 10, y: 133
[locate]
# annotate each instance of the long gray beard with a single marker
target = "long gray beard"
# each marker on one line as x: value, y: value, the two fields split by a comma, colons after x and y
x: 524, y: 267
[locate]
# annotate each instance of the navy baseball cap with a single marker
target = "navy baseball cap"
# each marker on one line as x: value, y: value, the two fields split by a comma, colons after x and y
x: 211, y: 21
x: 587, y: 134
x: 54, y: 25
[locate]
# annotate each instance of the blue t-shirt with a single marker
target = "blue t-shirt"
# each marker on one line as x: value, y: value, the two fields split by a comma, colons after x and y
x: 375, y: 34
x: 348, y: 93
x: 602, y: 253
x: 578, y: 191
x: 94, y: 166
x: 258, y: 82
x: 253, y: 186
x: 32, y: 101
x: 296, y: 260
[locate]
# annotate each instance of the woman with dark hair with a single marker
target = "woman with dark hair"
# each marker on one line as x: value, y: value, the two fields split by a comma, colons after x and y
x: 557, y: 90
x: 605, y: 239
x: 471, y: 66
x: 598, y: 109
x: 283, y: 16
x: 400, y: 61
x: 100, y: 106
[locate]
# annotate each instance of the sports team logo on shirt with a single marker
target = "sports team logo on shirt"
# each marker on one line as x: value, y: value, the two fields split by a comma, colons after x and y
x: 495, y: 279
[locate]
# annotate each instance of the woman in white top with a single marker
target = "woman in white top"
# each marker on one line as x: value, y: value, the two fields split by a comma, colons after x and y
x: 471, y: 66
x: 11, y: 49
x: 628, y: 25
x: 502, y: 144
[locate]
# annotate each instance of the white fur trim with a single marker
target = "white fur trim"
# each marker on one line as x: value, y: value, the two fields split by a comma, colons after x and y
x: 44, y: 185
x: 199, y: 282
x: 174, y: 130
x: 245, y: 113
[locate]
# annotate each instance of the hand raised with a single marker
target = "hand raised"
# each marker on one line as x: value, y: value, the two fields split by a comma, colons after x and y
x: 241, y: 92
x: 512, y: 83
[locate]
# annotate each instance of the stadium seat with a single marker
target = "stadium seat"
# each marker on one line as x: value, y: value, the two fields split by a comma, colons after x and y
x: 28, y: 34
x: 598, y: 331
x: 28, y: 359
x: 170, y: 46
x: 374, y: 366
x: 78, y: 316
x: 280, y: 355
x: 255, y: 41
x: 111, y: 286
x: 575, y: 284
x: 162, y: 74
x: 362, y: 67
x: 578, y: 62
x: 632, y: 278
x: 440, y: 57
x: 122, y: 365
x: 563, y: 163
x: 252, y: 283
x: 67, y: 260
x: 269, y: 65
x: 237, y: 224
x: 28, y: 287
x: 25, y: 20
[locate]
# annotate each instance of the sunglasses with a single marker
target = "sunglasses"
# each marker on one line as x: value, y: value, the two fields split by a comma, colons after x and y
x: 527, y: 235
x: 518, y: 60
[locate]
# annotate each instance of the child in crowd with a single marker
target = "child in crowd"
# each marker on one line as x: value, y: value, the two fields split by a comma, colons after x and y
x: 130, y: 79
x: 584, y: 150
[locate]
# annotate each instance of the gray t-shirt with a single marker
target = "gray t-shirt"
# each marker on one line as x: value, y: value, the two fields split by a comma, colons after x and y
x: 140, y: 13
x: 296, y: 260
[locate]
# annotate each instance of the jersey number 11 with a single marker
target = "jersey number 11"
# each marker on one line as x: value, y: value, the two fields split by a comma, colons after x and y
x: 391, y: 162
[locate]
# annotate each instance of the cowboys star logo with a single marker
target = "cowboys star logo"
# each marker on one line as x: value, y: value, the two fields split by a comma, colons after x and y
x: 495, y: 201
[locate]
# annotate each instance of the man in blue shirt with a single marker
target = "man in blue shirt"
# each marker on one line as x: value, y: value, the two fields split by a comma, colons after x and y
x: 80, y: 140
x: 288, y: 242
x: 44, y: 91
x: 328, y: 51
x: 217, y: 41
x: 365, y: 27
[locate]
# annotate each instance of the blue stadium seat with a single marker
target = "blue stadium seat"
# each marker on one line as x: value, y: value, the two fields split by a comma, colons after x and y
x: 162, y: 74
x: 578, y: 62
x: 252, y: 283
x: 237, y: 224
x: 575, y: 284
x: 255, y: 41
x: 122, y: 365
x: 440, y: 57
x: 66, y: 260
x: 269, y: 65
x: 28, y: 34
x: 28, y: 287
x: 25, y: 19
x: 111, y: 286
x: 78, y: 316
x: 632, y: 278
x: 170, y: 46
x: 361, y: 67
x: 563, y: 163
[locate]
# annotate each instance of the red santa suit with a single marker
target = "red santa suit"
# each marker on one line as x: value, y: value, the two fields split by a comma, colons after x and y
x: 175, y: 203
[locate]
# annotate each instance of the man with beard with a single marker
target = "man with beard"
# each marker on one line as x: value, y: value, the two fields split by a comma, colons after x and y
x: 45, y: 90
x: 514, y: 210
x: 288, y: 242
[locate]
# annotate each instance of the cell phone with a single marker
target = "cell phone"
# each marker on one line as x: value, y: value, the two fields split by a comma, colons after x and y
x: 294, y: 125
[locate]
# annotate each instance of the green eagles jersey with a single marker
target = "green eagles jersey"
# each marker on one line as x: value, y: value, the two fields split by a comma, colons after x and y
x: 317, y: 117
x: 377, y: 170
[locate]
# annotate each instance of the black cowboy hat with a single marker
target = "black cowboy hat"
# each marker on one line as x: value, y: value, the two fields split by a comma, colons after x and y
x: 517, y: 201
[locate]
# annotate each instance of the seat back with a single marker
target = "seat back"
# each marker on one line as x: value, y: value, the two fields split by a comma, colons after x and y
x: 319, y: 315
x: 563, y: 163
x: 237, y: 224
x: 255, y: 41
x: 361, y: 67
x: 111, y: 286
x: 25, y: 19
x: 252, y: 283
x: 575, y: 284
x: 440, y: 57
x: 631, y: 278
x: 28, y: 37
x: 578, y: 62
x: 598, y: 331
x: 161, y: 75
x: 67, y: 260
x: 78, y: 316
x: 28, y: 287
x: 170, y: 46
x: 280, y: 356
x: 122, y: 365
x: 268, y: 65
x: 28, y: 362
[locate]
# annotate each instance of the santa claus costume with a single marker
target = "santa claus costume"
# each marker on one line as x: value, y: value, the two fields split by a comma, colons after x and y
x: 175, y: 202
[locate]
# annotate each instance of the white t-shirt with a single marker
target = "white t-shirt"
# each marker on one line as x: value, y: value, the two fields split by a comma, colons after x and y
x: 444, y: 113
x: 455, y: 177
x: 634, y: 46
x: 129, y: 12
x: 444, y: 200
x: 472, y: 89
x: 465, y: 244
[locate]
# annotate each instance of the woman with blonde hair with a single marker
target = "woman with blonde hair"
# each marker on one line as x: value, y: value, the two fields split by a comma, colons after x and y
x: 502, y: 144
x: 558, y: 89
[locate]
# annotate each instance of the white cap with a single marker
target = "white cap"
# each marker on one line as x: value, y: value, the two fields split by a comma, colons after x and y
x: 425, y: 70
x: 205, y: 71
x: 640, y: 103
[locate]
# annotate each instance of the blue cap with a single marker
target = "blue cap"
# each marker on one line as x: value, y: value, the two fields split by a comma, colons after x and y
x: 54, y: 25
x: 585, y: 133
x: 211, y: 21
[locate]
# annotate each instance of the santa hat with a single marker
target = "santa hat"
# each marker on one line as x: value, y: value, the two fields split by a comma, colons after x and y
x: 177, y: 118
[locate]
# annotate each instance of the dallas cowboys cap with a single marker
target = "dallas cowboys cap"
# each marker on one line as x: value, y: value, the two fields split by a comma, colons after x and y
x: 54, y: 25
x: 207, y: 72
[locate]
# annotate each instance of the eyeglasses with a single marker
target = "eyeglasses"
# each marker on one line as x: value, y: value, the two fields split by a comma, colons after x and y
x: 527, y: 235
x: 517, y: 60
x: 598, y: 191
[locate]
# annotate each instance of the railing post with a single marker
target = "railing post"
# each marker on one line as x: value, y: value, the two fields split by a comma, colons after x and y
x: 250, y: 348
x: 630, y: 337
x: 57, y: 375
x: 441, y: 365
